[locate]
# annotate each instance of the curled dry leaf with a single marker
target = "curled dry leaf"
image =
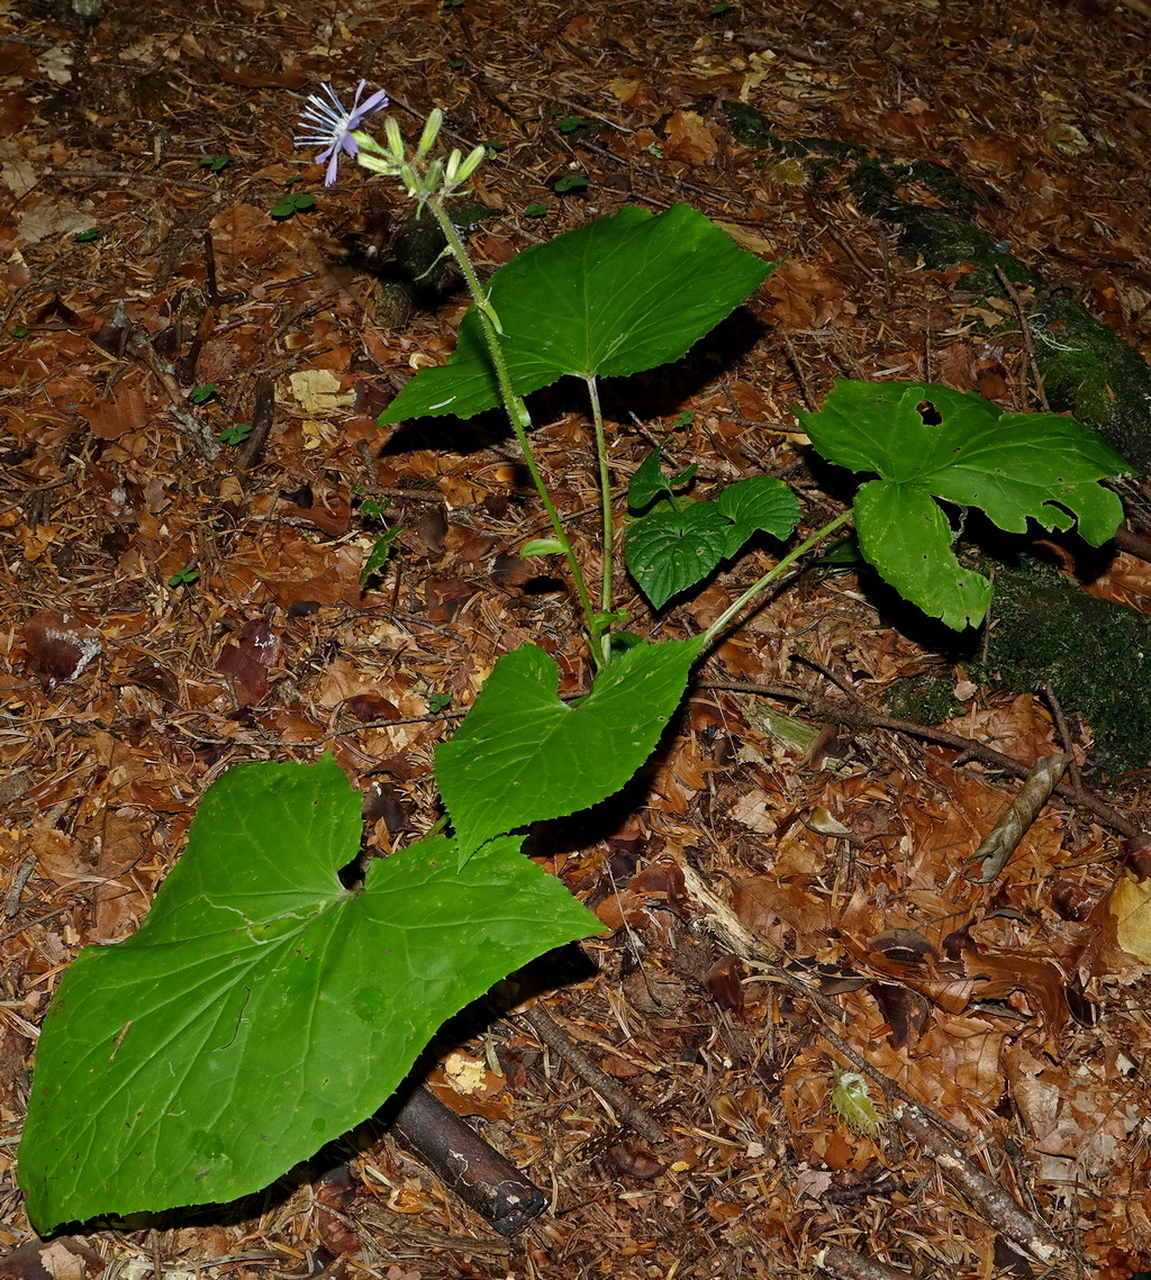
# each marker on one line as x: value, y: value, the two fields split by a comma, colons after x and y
x: 57, y: 648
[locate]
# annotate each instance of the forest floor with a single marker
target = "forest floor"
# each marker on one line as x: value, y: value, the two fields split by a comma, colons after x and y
x: 169, y: 614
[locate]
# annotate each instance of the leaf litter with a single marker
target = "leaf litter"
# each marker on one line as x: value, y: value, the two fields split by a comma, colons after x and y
x: 1011, y: 1009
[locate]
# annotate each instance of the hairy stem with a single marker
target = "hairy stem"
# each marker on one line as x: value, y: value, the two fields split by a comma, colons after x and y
x: 756, y: 587
x: 605, y: 497
x: 517, y: 411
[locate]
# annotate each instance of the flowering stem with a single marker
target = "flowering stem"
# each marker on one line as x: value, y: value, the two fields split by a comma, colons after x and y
x: 756, y: 587
x: 517, y: 411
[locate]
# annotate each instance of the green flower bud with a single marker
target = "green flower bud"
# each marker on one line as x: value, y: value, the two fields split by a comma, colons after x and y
x: 470, y: 164
x: 431, y: 133
x: 395, y: 138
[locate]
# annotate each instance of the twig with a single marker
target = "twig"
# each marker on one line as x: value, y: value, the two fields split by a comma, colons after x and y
x: 1028, y: 343
x: 1064, y: 736
x: 1001, y: 1210
x: 263, y: 411
x: 19, y: 880
x: 1136, y: 544
x: 625, y: 1107
x: 860, y: 717
x: 463, y: 1161
x: 797, y: 369
x: 1015, y: 821
x: 838, y: 1261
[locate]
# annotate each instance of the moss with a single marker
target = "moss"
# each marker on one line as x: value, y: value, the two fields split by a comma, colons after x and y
x: 1096, y: 656
x: 924, y: 698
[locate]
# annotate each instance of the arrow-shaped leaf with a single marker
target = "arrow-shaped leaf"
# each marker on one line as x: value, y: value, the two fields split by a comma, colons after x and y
x: 521, y: 755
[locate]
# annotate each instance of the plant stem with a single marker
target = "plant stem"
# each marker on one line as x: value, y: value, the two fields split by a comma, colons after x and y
x: 517, y: 411
x: 756, y: 587
x: 605, y: 495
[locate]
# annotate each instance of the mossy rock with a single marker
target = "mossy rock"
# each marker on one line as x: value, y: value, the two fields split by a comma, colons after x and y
x: 1086, y: 368
x: 1095, y: 655
x: 926, y: 699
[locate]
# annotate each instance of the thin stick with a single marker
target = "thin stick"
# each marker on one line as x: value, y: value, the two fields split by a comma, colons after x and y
x: 1028, y: 344
x: 850, y: 1265
x: 1019, y: 816
x: 624, y: 1106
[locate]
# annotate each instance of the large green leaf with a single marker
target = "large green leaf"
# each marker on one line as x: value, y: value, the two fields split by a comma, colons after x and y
x: 622, y: 294
x: 262, y: 1009
x: 1013, y: 466
x: 521, y: 755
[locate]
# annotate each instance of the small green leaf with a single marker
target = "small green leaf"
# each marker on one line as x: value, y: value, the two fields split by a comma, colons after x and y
x: 493, y: 148
x: 521, y: 755
x: 683, y: 419
x: 262, y: 1009
x: 569, y: 124
x: 235, y: 435
x: 621, y: 294
x: 718, y: 10
x: 649, y: 481
x: 378, y: 556
x: 535, y: 210
x: 184, y: 577
x: 87, y: 237
x: 570, y: 182
x: 303, y: 201
x: 455, y: 63
x: 439, y: 702
x: 671, y: 548
x: 926, y: 441
x: 373, y: 508
x: 761, y: 504
x: 542, y: 547
x: 203, y: 393
x: 291, y: 204
x: 215, y: 163
x: 20, y: 330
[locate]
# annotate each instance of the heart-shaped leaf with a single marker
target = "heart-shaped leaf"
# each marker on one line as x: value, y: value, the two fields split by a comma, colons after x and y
x: 678, y: 544
x: 649, y: 481
x: 521, y: 755
x: 924, y: 439
x: 760, y: 504
x: 621, y: 294
x: 674, y: 547
x: 262, y: 1009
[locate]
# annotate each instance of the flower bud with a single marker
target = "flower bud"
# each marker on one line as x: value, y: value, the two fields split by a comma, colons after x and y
x: 409, y: 179
x: 470, y: 164
x: 395, y: 138
x: 450, y: 168
x: 431, y: 133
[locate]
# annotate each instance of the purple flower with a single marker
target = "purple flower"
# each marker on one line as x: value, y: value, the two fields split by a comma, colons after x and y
x: 330, y: 125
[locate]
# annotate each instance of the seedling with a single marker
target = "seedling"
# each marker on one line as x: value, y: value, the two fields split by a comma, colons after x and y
x: 184, y: 577
x: 570, y: 182
x: 439, y: 703
x: 215, y: 163
x: 87, y: 237
x: 535, y: 210
x: 291, y: 204
x: 235, y: 435
x: 203, y: 393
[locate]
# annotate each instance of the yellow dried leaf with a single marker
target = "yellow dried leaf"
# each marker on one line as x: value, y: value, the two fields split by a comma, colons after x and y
x: 318, y: 391
x: 1130, y: 904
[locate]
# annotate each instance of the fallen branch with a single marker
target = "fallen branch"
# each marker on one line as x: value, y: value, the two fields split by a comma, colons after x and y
x: 854, y: 715
x: 463, y: 1161
x: 849, y: 1265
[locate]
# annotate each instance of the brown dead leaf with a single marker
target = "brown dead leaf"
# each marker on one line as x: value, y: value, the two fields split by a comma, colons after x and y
x: 691, y: 138
x: 57, y: 648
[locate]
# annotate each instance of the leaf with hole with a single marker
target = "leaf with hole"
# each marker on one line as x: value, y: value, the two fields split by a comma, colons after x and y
x: 521, y: 755
x: 618, y: 295
x: 262, y: 1009
x: 928, y: 441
